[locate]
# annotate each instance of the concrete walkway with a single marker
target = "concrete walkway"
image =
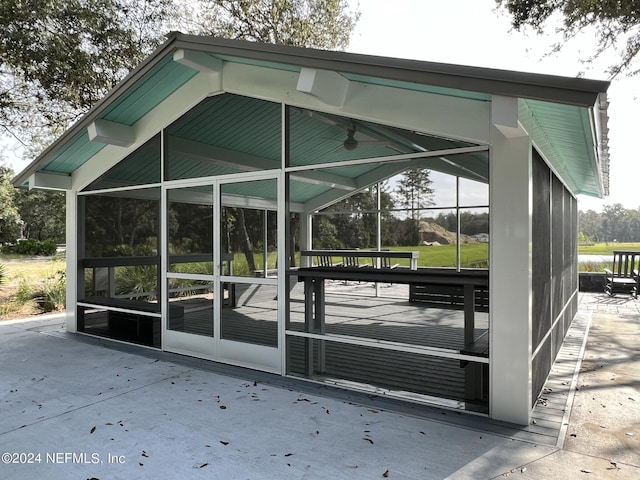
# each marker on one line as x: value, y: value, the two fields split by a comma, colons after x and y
x: 78, y: 407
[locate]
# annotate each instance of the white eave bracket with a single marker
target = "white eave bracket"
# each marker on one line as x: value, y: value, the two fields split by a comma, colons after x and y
x: 504, y: 115
x: 199, y: 61
x: 111, y: 133
x: 49, y: 181
x: 204, y: 63
x: 327, y: 86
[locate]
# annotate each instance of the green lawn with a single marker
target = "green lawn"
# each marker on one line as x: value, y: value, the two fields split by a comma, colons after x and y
x: 606, y: 248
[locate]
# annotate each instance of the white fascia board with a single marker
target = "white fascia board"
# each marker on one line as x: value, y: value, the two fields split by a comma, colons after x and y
x: 450, y: 117
x: 49, y: 181
x: 329, y: 87
x: 174, y: 106
x: 111, y: 133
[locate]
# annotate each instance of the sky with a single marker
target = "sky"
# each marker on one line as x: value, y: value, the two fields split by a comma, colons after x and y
x: 472, y: 32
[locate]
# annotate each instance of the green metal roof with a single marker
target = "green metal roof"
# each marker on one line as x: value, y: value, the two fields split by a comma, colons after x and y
x: 562, y: 134
x: 556, y: 111
x: 164, y: 79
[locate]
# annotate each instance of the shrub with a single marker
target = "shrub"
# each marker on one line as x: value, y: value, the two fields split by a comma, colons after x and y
x: 54, y: 292
x: 32, y: 246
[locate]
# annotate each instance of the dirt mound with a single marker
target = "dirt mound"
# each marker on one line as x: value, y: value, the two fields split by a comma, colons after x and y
x: 432, y: 233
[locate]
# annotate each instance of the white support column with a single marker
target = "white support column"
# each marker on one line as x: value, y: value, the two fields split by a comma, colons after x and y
x: 305, y: 237
x: 72, y: 261
x: 510, y: 277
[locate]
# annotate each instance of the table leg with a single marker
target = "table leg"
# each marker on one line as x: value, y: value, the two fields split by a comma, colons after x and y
x: 469, y: 313
x: 319, y: 322
x: 472, y: 371
x: 308, y: 320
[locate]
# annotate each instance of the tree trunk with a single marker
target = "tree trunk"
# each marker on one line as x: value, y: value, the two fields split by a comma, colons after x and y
x: 247, y: 246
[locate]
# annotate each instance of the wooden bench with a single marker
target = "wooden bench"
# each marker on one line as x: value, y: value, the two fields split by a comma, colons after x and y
x: 449, y: 297
x: 623, y: 276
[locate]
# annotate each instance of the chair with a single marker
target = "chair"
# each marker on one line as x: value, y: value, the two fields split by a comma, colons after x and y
x: 385, y: 262
x: 353, y: 261
x: 327, y: 261
x: 623, y: 276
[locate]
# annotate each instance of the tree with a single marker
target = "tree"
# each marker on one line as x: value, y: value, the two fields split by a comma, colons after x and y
x: 617, y: 24
x: 10, y: 221
x: 325, y: 24
x: 43, y: 214
x: 59, y: 57
x: 414, y: 191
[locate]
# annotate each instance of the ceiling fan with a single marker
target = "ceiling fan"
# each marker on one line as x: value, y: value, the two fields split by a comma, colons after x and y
x: 351, y: 142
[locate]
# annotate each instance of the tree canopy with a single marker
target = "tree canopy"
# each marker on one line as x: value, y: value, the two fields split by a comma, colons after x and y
x: 616, y: 22
x: 59, y: 57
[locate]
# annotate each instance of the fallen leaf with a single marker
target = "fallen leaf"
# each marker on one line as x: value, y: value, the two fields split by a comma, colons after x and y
x: 222, y: 407
x: 93, y: 429
x: 368, y: 440
x: 585, y: 471
x: 386, y: 473
x: 630, y: 434
x: 224, y: 442
x: 288, y: 454
x: 144, y: 454
x: 203, y: 465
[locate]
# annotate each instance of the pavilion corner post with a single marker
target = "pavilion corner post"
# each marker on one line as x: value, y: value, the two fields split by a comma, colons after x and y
x: 74, y: 245
x: 511, y: 277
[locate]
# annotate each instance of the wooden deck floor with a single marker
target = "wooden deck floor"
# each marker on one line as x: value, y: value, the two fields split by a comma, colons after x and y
x: 354, y: 311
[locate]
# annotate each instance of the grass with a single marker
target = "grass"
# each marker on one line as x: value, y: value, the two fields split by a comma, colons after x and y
x: 473, y: 255
x: 606, y: 248
x: 27, y: 280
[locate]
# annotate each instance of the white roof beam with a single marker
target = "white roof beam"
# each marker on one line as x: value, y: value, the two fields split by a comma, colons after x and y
x: 203, y: 152
x: 327, y: 86
x: 212, y: 154
x: 441, y: 115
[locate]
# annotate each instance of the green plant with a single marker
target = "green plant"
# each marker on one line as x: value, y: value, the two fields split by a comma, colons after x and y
x: 136, y: 280
x: 593, y: 266
x: 32, y: 246
x: 24, y: 293
x: 2, y: 273
x: 54, y: 292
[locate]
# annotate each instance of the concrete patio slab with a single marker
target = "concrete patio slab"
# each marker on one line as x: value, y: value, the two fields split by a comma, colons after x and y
x: 79, y: 407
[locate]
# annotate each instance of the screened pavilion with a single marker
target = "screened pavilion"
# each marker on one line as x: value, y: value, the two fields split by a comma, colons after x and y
x: 227, y: 201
